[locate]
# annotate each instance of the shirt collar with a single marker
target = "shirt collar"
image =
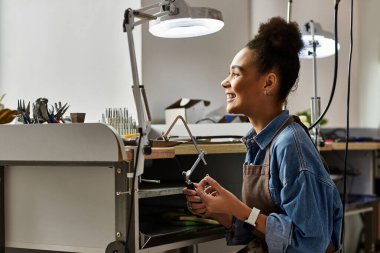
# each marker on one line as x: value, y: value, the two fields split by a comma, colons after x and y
x: 268, y: 133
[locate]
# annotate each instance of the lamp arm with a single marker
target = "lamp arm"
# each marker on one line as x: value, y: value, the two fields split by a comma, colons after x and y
x: 141, y: 102
x: 152, y: 6
x: 136, y: 87
x: 148, y: 17
x: 166, y: 7
x: 143, y: 113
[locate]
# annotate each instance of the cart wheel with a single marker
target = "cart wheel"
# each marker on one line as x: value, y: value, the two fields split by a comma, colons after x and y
x: 116, y: 247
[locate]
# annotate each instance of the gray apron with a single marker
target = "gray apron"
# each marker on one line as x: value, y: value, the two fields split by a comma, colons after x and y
x: 255, y: 193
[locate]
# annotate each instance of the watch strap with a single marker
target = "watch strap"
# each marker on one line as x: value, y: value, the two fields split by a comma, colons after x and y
x: 253, y: 216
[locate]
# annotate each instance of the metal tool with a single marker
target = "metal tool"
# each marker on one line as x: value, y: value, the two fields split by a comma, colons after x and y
x: 121, y: 120
x: 23, y: 112
x: 200, y: 152
x: 40, y: 111
x: 60, y: 111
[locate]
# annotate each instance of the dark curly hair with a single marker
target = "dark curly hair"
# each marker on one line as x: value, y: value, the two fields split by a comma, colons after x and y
x: 276, y: 46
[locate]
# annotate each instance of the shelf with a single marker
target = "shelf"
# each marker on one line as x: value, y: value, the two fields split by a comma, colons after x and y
x: 152, y: 235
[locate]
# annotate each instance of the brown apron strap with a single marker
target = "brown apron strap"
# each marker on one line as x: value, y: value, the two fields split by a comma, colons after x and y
x: 284, y: 125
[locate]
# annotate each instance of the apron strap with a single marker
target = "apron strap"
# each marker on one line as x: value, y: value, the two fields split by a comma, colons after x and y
x: 284, y: 125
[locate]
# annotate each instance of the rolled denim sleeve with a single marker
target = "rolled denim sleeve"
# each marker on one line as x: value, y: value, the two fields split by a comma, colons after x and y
x: 307, y: 199
x: 278, y: 232
x: 307, y: 223
x: 239, y: 234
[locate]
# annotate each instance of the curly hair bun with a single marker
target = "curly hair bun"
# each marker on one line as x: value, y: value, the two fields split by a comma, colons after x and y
x: 276, y: 47
x: 284, y: 38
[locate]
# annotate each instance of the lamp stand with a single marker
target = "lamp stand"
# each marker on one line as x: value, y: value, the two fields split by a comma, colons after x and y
x: 289, y: 14
x: 315, y: 100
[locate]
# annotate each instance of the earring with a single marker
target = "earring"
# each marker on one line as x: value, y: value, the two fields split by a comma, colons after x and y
x: 266, y: 93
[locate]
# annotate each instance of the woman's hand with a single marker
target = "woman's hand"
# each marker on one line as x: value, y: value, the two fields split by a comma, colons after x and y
x: 194, y: 202
x: 197, y: 207
x: 215, y: 198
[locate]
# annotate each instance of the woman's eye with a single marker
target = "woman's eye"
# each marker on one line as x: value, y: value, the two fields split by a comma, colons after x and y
x: 234, y: 74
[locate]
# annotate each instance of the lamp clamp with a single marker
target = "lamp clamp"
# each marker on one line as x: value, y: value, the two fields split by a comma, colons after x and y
x: 128, y: 16
x: 170, y: 7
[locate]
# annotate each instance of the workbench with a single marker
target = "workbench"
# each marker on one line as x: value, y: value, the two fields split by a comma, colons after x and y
x: 65, y: 187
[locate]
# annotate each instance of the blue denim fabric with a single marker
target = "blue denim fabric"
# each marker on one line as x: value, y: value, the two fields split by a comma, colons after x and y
x: 300, y: 186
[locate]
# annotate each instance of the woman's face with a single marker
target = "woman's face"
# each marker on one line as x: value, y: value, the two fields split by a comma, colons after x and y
x: 244, y: 87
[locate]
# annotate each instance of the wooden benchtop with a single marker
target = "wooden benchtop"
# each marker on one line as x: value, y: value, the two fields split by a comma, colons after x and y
x: 231, y: 148
x: 351, y: 146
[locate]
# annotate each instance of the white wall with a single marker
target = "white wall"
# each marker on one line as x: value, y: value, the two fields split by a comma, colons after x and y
x: 369, y: 63
x: 75, y: 52
x: 71, y: 51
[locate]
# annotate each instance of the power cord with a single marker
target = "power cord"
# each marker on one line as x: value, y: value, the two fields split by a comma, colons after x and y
x: 335, y: 67
x: 347, y: 116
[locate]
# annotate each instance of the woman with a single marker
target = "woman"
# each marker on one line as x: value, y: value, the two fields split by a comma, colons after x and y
x: 289, y: 203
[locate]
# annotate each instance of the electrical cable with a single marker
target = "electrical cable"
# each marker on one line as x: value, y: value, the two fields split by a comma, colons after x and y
x: 347, y: 120
x: 133, y: 192
x: 335, y: 67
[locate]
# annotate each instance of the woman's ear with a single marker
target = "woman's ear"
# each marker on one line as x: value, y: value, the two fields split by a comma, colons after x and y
x: 271, y: 81
x: 270, y: 86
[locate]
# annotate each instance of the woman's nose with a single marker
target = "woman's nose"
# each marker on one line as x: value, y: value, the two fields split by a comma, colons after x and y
x: 225, y: 83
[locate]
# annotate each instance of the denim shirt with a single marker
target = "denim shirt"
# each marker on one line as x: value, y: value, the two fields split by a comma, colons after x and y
x: 300, y: 186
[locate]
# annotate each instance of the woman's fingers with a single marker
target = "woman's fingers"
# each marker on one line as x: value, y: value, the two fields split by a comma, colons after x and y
x: 209, y: 190
x: 208, y: 186
x: 203, y: 195
x: 197, y: 205
x: 213, y: 183
x: 196, y: 208
x: 189, y: 192
x: 195, y: 198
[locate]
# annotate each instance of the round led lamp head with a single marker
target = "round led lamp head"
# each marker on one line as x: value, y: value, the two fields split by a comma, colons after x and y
x: 188, y: 22
x: 325, y: 47
x: 324, y: 41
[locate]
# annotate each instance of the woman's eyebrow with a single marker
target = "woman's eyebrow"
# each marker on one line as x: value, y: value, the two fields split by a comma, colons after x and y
x: 240, y: 68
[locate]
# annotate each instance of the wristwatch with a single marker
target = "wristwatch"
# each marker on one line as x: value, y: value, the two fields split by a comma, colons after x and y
x: 253, y: 216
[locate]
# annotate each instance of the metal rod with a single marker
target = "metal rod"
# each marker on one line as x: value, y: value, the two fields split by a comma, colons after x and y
x: 200, y: 157
x: 146, y: 104
x: 191, y: 170
x: 315, y: 102
x: 289, y: 11
x: 144, y: 15
x: 141, y: 108
x: 188, y: 130
x: 156, y: 15
x: 149, y: 7
x: 150, y: 181
x: 135, y: 76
